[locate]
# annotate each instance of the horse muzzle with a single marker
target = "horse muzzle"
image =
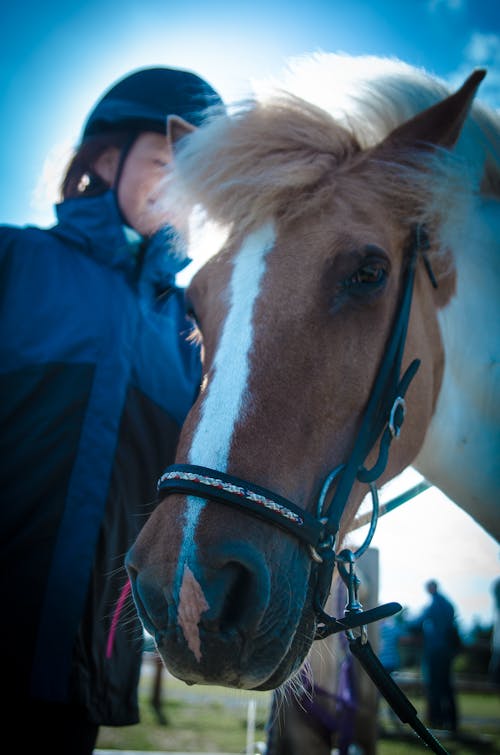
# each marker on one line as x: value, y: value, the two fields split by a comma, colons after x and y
x: 232, y: 616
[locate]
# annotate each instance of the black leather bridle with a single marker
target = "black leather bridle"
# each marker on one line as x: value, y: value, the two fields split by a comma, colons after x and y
x: 383, y: 418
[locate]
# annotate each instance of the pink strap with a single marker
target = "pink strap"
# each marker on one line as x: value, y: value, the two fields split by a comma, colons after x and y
x: 114, y: 622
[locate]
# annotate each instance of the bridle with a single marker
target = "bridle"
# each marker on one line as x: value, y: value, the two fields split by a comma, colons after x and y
x: 383, y: 417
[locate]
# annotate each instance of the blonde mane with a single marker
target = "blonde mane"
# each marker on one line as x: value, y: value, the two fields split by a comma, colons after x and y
x: 280, y: 154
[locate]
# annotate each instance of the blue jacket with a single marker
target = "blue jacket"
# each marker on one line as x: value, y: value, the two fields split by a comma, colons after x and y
x: 96, y: 378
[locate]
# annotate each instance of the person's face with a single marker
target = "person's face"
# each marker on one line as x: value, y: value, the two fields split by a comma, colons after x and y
x: 141, y: 186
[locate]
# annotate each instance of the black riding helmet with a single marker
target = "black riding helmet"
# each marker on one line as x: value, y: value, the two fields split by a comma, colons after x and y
x: 143, y: 100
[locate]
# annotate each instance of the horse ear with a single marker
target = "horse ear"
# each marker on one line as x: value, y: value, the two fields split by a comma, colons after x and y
x: 440, y: 124
x: 177, y: 128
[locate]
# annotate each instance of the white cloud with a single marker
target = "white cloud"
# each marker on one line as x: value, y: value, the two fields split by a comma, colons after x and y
x: 482, y: 50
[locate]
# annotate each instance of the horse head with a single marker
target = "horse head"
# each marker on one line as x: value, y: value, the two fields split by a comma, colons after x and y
x: 295, y: 315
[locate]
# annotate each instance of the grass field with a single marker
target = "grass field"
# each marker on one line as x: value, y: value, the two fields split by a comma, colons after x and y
x: 212, y: 719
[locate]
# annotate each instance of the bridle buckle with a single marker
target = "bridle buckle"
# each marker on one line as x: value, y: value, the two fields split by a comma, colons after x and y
x: 396, y: 417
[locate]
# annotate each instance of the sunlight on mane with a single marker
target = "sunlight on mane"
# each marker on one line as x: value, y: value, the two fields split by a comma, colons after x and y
x: 367, y: 94
x: 281, y: 154
x: 205, y: 239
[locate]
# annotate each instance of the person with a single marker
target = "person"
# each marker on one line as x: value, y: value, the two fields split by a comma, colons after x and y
x: 494, y: 662
x: 437, y: 626
x: 97, y: 375
x: 390, y: 635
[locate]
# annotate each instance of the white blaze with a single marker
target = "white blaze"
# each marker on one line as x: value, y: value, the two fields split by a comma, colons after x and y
x: 225, y: 396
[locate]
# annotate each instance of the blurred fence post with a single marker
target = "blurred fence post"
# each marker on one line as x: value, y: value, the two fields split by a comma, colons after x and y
x: 251, y: 727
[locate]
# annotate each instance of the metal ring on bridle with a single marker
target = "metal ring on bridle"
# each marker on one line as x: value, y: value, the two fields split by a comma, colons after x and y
x: 371, y: 531
x: 320, y: 511
x: 329, y: 542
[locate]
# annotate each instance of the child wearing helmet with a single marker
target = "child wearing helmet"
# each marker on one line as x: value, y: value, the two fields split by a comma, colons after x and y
x: 97, y: 374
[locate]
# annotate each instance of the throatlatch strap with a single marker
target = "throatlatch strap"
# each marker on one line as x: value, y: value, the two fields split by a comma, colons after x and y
x: 216, y: 486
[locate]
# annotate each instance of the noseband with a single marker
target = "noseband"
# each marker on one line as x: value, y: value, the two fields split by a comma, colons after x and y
x: 383, y: 417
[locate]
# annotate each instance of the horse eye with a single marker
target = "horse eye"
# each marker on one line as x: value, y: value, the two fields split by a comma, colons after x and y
x: 369, y: 277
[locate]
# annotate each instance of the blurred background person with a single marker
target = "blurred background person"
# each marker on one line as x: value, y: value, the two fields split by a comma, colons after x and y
x: 437, y: 626
x: 494, y: 665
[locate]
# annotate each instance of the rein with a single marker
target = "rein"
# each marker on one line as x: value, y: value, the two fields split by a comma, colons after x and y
x: 383, y: 416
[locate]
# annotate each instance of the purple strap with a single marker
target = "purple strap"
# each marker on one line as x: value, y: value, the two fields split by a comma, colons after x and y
x: 342, y: 722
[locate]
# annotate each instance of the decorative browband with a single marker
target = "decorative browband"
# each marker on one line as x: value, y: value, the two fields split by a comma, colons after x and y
x: 217, y: 486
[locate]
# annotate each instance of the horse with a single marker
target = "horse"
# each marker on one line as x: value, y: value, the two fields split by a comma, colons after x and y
x: 356, y: 290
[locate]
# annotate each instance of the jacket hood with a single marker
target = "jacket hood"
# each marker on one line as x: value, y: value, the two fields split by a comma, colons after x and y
x: 94, y: 225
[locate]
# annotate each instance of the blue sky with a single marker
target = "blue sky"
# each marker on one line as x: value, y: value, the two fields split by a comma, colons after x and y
x: 56, y: 60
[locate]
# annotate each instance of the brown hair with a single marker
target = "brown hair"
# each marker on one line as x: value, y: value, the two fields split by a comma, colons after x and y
x: 80, y: 178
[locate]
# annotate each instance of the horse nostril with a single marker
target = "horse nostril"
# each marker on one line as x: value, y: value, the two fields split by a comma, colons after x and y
x: 236, y: 604
x: 229, y: 598
x: 237, y: 595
